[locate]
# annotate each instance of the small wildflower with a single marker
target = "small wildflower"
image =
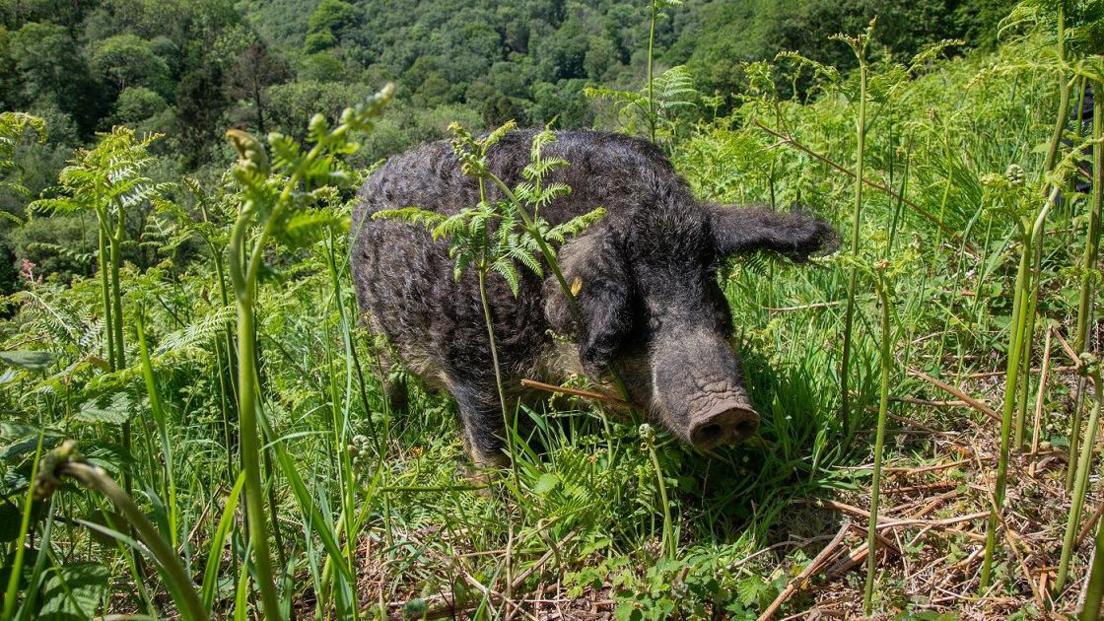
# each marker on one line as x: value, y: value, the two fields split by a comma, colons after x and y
x: 26, y: 271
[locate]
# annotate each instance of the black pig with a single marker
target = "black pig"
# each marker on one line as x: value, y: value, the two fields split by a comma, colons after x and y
x: 650, y: 303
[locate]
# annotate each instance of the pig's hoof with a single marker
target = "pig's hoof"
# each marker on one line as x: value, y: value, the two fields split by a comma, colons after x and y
x: 485, y: 460
x: 496, y: 461
x: 485, y: 473
x: 397, y: 396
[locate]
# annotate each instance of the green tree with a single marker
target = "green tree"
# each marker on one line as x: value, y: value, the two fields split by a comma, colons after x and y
x: 564, y: 102
x: 61, y: 246
x: 142, y: 108
x: 200, y: 103
x: 51, y: 69
x: 330, y: 22
x: 255, y: 69
x: 127, y: 60
x: 322, y: 67
x: 9, y: 86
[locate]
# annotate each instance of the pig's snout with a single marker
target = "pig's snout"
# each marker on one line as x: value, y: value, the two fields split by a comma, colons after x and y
x: 728, y: 422
x: 697, y: 388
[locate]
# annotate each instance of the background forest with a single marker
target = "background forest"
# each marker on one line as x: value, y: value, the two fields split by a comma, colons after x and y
x: 190, y: 70
x: 191, y: 420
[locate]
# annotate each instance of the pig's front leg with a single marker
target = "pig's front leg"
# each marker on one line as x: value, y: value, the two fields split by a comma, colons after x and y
x: 481, y: 417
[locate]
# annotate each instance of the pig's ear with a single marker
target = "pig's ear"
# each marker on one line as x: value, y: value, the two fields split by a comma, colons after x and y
x: 595, y: 270
x: 796, y: 234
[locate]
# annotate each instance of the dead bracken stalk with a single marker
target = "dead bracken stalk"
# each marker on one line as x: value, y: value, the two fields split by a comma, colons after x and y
x: 575, y: 392
x: 967, y: 399
x: 818, y: 563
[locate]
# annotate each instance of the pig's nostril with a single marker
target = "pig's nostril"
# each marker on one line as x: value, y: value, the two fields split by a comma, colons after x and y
x: 710, y: 433
x: 725, y: 427
x: 745, y: 429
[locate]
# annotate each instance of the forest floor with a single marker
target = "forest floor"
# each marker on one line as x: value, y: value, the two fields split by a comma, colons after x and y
x: 936, y: 494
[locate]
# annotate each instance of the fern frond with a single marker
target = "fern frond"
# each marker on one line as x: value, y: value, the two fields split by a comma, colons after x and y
x: 199, y: 332
x: 413, y: 215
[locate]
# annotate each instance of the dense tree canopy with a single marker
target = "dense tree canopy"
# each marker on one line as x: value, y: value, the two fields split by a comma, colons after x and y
x: 191, y: 69
x: 202, y: 66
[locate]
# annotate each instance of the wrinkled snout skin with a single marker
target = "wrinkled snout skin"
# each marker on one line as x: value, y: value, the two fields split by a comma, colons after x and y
x: 648, y: 304
x: 698, y: 390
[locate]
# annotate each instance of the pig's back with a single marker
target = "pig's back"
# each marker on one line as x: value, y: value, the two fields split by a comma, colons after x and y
x: 404, y: 279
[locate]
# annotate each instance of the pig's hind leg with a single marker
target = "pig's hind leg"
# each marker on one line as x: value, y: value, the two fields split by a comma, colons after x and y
x: 481, y: 416
x: 392, y: 382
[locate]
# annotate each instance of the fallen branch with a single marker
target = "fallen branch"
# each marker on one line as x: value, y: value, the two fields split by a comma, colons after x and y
x: 970, y: 401
x: 1087, y: 528
x: 575, y: 392
x: 929, y: 402
x: 1037, y: 424
x: 932, y: 468
x: 812, y: 568
x: 855, y: 557
x: 863, y: 513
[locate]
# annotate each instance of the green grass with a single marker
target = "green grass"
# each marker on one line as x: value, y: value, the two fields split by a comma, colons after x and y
x: 368, y: 510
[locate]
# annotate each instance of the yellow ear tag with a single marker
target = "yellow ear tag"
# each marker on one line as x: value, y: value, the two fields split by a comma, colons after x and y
x: 576, y: 286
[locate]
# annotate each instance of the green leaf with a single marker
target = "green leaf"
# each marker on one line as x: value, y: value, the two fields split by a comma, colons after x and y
x: 198, y: 332
x: 307, y: 227
x: 114, y: 412
x: 214, y: 551
x: 29, y: 360
x: 546, y: 483
x: 73, y: 591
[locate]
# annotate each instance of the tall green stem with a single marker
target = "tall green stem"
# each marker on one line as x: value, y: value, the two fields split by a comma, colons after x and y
x: 115, y: 244
x: 168, y: 488
x: 244, y: 269
x: 1063, y: 96
x: 885, y: 359
x: 856, y: 228
x: 1060, y: 121
x: 247, y: 421
x: 1032, y: 300
x: 1080, y: 488
x: 15, y: 564
x: 1088, y: 265
x: 1094, y: 592
x: 651, y: 81
x: 105, y: 291
x: 481, y: 273
x: 247, y: 424
x: 670, y: 544
x: 116, y: 247
x: 1015, y: 348
x: 1092, y: 241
